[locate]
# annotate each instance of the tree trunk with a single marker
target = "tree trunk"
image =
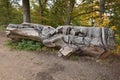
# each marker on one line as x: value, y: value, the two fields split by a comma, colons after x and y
x: 41, y: 10
x: 26, y: 11
x: 8, y: 11
x: 69, y: 11
x: 42, y: 5
x: 102, y: 8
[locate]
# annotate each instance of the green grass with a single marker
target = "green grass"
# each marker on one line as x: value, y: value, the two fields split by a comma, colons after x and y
x: 27, y: 45
x: 74, y: 57
x: 2, y: 28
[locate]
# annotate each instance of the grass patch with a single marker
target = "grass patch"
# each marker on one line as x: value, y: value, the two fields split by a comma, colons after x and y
x: 2, y: 28
x: 27, y: 45
x: 74, y: 57
x: 51, y: 50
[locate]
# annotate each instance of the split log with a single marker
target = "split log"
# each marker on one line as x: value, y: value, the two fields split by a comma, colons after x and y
x: 69, y: 38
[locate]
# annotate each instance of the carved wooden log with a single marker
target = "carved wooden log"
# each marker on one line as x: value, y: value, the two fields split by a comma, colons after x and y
x: 68, y: 38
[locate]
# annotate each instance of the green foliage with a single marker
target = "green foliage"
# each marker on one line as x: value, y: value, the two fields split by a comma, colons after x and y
x: 56, y: 12
x: 4, y: 12
x: 11, y: 44
x: 74, y: 57
x: 117, y: 41
x: 2, y: 28
x: 9, y: 13
x: 25, y: 45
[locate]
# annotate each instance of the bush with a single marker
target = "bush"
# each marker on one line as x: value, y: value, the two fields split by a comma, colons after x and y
x: 25, y: 45
x: 117, y: 46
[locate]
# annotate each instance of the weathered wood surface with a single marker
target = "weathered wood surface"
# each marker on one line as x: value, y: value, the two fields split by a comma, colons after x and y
x: 69, y: 38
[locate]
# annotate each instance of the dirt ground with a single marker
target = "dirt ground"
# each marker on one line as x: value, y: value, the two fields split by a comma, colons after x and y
x: 23, y: 65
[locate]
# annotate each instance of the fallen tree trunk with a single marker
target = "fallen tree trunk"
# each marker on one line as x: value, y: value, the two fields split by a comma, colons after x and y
x: 70, y: 39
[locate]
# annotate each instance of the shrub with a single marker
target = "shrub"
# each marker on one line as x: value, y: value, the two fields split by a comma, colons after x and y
x: 117, y: 46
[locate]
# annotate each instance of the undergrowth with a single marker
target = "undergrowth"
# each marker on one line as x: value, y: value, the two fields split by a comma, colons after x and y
x: 27, y: 45
x: 2, y: 28
x: 117, y: 46
x: 74, y: 57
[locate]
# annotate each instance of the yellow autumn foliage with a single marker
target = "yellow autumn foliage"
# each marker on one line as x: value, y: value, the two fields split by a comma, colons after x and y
x: 117, y: 51
x: 118, y: 47
x: 104, y: 16
x: 104, y: 22
x: 113, y: 28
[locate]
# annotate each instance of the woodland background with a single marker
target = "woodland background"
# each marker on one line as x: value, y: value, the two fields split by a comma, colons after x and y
x: 98, y: 13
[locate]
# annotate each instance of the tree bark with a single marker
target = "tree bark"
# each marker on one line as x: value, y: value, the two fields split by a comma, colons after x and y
x: 8, y: 11
x: 42, y: 4
x: 26, y: 11
x: 69, y: 11
x: 102, y: 8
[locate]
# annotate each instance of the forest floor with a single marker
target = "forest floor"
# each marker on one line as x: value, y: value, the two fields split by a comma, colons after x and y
x: 25, y: 65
